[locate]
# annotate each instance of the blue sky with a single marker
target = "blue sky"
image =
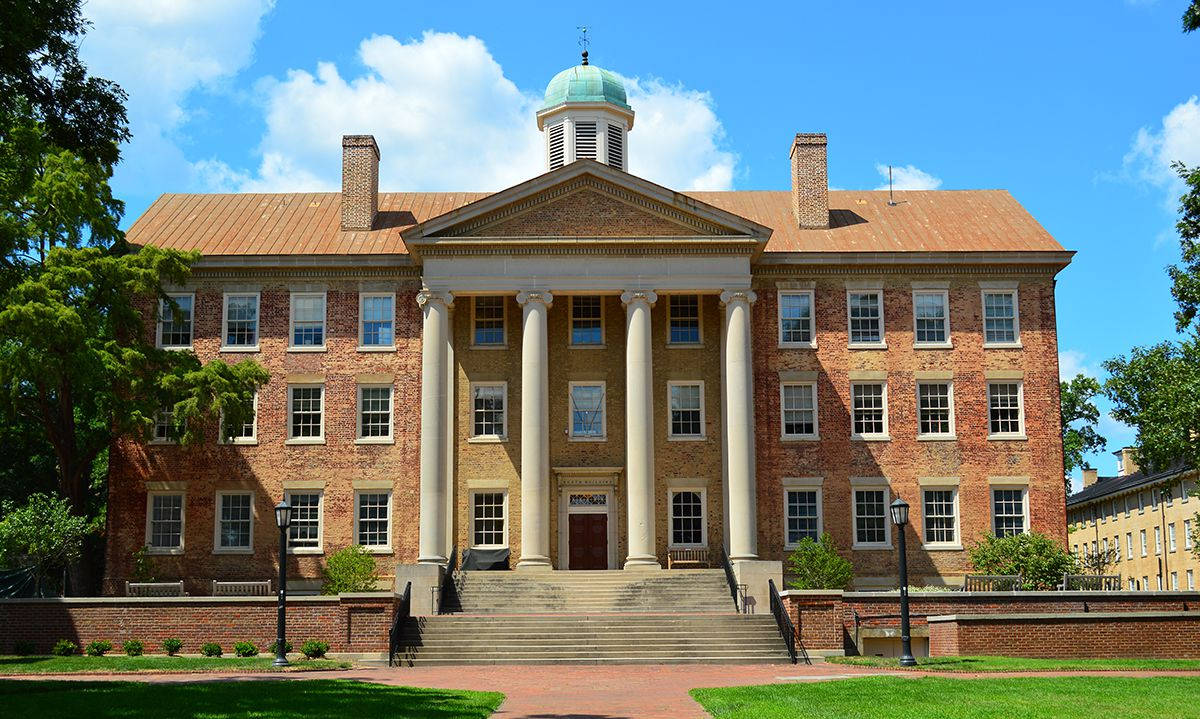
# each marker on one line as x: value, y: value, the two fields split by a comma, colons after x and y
x: 1075, y: 107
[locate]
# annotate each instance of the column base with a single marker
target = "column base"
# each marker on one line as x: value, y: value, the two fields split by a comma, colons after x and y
x: 534, y: 564
x: 434, y: 559
x: 743, y: 558
x: 642, y: 562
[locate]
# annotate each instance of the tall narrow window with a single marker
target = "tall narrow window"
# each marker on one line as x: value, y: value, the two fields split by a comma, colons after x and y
x: 306, y: 412
x: 1129, y: 545
x: 244, y: 433
x: 585, y: 141
x: 869, y: 412
x: 374, y: 519
x: 1171, y: 546
x: 235, y: 521
x: 684, y: 311
x: 377, y: 319
x: 687, y: 518
x: 164, y: 523
x: 375, y: 413
x: 489, y: 321
x: 1004, y: 410
x: 616, y: 147
x: 931, y: 318
x: 1000, y: 322
x: 305, y: 530
x: 241, y: 321
x: 803, y: 515
x: 686, y: 402
x: 488, y: 519
x: 935, y: 409
x: 587, y: 410
x: 557, y: 146
x: 1142, y: 537
x: 1187, y: 534
x: 1008, y: 512
x: 796, y: 319
x: 165, y: 431
x: 865, y: 309
x: 798, y: 402
x: 870, y: 517
x: 941, y: 516
x: 308, y: 320
x: 175, y: 323
x: 488, y: 416
x: 587, y: 320
x: 1157, y: 541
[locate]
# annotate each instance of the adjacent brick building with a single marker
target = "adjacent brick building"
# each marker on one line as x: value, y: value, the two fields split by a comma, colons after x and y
x: 588, y: 369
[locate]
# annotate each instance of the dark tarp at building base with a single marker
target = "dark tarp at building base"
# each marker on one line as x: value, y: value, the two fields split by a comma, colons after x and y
x: 485, y: 559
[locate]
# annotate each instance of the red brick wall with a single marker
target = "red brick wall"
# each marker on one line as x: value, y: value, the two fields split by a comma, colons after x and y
x: 349, y: 624
x: 817, y: 618
x: 1156, y: 635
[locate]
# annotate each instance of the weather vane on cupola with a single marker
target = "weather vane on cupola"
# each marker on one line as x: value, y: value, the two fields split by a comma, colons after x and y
x: 583, y: 41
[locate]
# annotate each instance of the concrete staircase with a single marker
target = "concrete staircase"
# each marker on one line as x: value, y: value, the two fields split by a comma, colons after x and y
x: 617, y: 617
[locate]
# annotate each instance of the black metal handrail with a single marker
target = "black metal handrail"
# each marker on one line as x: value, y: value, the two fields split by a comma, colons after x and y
x: 731, y: 578
x: 447, y: 588
x: 786, y: 629
x: 403, y: 612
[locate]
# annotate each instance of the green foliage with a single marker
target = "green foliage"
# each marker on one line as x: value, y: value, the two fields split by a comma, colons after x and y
x: 42, y: 534
x: 143, y: 565
x: 245, y: 649
x: 817, y: 565
x: 1156, y: 390
x: 172, y: 646
x: 133, y: 648
x: 274, y: 648
x: 99, y: 647
x: 1040, y: 560
x: 22, y: 649
x: 1079, y: 418
x: 1185, y: 278
x: 211, y: 649
x: 349, y: 570
x: 64, y: 648
x: 314, y: 649
x: 1191, y: 17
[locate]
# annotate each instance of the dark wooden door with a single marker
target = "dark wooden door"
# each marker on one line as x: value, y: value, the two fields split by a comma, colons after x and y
x: 588, y: 540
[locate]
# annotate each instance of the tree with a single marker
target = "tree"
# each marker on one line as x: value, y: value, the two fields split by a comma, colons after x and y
x: 1156, y: 390
x: 1039, y: 560
x: 817, y: 565
x: 1079, y: 418
x: 349, y: 570
x: 1185, y: 280
x: 42, y: 534
x: 1191, y: 17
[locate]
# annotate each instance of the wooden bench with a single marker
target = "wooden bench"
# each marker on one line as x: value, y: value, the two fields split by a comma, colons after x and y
x: 690, y: 557
x: 993, y: 583
x: 1091, y: 583
x: 241, y: 589
x: 154, y: 589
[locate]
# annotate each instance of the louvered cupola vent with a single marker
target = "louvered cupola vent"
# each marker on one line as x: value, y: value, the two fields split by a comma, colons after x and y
x: 616, y: 148
x: 585, y: 141
x: 558, y: 149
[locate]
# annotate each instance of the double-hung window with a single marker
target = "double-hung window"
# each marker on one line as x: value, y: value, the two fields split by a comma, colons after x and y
x: 864, y: 310
x: 164, y: 523
x: 1142, y: 537
x: 373, y: 520
x: 488, y: 416
x: 306, y: 413
x: 1009, y: 512
x: 587, y: 321
x: 489, y: 510
x: 802, y: 514
x: 687, y: 518
x: 1157, y: 541
x: 940, y: 506
x: 935, y: 410
x: 242, y: 433
x: 872, y: 526
x: 1187, y: 534
x: 1129, y: 545
x: 235, y: 522
x: 686, y: 406
x: 587, y: 410
x: 165, y: 431
x: 684, y: 319
x: 868, y: 410
x: 1005, y: 410
x: 308, y: 321
x: 931, y: 318
x: 240, y: 322
x: 305, y: 531
x: 796, y: 319
x: 798, y: 404
x: 377, y: 321
x: 1001, y: 323
x: 374, y: 413
x: 1171, y: 546
x: 487, y: 328
x: 175, y: 322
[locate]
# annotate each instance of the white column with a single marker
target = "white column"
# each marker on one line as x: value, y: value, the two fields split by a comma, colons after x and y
x: 535, y: 428
x: 639, y: 429
x: 435, y: 334
x: 739, y: 413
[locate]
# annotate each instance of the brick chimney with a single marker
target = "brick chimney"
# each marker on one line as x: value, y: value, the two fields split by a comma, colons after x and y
x: 1089, y: 476
x: 810, y: 180
x: 1125, y: 463
x: 360, y: 182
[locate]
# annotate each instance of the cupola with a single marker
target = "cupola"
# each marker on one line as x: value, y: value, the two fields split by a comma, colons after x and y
x: 586, y: 116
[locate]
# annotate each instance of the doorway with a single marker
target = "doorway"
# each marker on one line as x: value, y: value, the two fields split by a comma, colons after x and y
x: 589, y: 532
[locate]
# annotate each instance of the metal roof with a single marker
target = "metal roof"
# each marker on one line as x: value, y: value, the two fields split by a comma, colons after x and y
x: 1110, y: 486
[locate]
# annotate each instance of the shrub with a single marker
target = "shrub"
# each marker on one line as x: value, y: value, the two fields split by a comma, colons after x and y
x: 22, y: 649
x: 273, y: 649
x: 817, y: 565
x: 245, y: 649
x: 211, y: 649
x: 143, y: 565
x: 314, y: 649
x: 349, y: 570
x: 172, y: 646
x: 64, y: 648
x: 133, y: 648
x: 99, y: 648
x: 1039, y: 560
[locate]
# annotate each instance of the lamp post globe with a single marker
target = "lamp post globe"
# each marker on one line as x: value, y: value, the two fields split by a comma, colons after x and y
x: 283, y: 518
x: 899, y: 511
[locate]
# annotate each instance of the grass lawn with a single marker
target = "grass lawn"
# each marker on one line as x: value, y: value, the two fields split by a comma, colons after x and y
x: 938, y: 697
x: 158, y: 663
x: 1017, y: 664
x: 241, y: 700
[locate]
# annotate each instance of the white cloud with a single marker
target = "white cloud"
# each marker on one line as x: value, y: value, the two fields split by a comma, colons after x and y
x: 447, y: 118
x: 1153, y: 150
x: 1073, y: 362
x: 907, y: 177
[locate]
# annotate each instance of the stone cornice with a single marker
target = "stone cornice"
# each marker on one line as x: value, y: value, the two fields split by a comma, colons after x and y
x: 316, y: 273
x: 801, y: 270
x: 636, y: 247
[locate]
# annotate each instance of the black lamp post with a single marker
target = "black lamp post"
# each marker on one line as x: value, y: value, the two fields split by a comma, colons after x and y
x: 283, y: 518
x: 900, y: 518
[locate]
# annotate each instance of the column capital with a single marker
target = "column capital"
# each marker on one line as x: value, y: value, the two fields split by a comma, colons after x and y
x: 648, y: 296
x: 543, y: 296
x: 427, y: 296
x: 738, y: 296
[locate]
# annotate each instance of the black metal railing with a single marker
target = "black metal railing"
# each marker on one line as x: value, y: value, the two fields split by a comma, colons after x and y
x: 448, y: 592
x: 786, y: 629
x: 735, y: 589
x: 403, y: 612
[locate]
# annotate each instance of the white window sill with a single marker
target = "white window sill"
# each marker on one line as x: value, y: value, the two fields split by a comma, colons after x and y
x: 488, y: 439
x: 378, y: 549
x: 489, y: 546
x: 304, y: 440
x: 685, y: 346
x: 307, y: 348
x: 933, y: 345
x: 488, y: 347
x: 871, y: 547
x: 1006, y: 437
x: 239, y: 348
x: 175, y: 348
x: 1002, y: 345
x: 375, y: 440
x: 164, y: 550
x: 305, y: 550
x: 799, y: 438
x: 687, y: 546
x: 233, y: 550
x: 686, y: 438
x: 937, y: 437
x: 589, y: 347
x: 942, y: 547
x: 871, y: 437
x: 240, y: 441
x: 377, y: 348
x: 797, y: 345
x: 588, y: 439
x: 867, y: 345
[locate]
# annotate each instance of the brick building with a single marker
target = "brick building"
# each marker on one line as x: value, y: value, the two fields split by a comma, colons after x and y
x: 590, y: 369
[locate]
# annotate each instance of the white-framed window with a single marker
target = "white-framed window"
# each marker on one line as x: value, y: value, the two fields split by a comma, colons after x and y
x: 1010, y: 512
x: 935, y: 409
x: 1171, y: 546
x: 234, y: 530
x: 588, y: 416
x: 1191, y: 580
x: 306, y: 413
x: 1129, y: 545
x: 1006, y: 410
x: 868, y: 415
x: 165, y: 431
x: 1174, y: 581
x: 246, y: 433
x: 487, y: 321
x: 587, y: 321
x: 1001, y: 320
x: 373, y: 519
x: 798, y: 410
x: 1125, y: 501
x: 239, y: 322
x: 164, y: 522
x: 931, y: 318
x: 174, y: 328
x: 685, y: 402
x: 307, y: 322
x: 489, y: 414
x: 1116, y: 547
x: 688, y: 517
x: 489, y: 518
x: 308, y: 517
x: 864, y: 313
x: 1145, y: 583
x: 1141, y: 502
x: 374, y: 413
x: 802, y: 514
x: 796, y: 326
x: 872, y: 526
x: 940, y: 512
x: 1132, y: 584
x: 377, y: 320
x: 1187, y: 534
x: 683, y: 314
x: 1160, y: 582
x: 1157, y: 541
x: 1142, y: 535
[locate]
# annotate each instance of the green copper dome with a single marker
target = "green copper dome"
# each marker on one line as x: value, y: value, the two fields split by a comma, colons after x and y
x: 585, y: 83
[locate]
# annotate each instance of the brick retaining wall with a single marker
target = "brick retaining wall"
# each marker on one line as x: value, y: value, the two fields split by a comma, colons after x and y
x: 349, y: 622
x: 1165, y: 635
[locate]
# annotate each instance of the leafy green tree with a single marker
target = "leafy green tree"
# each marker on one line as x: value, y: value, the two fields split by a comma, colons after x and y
x: 349, y: 570
x: 43, y: 534
x: 1040, y: 560
x: 1191, y: 17
x: 1079, y: 418
x: 817, y: 565
x: 1156, y: 390
x: 1185, y: 278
